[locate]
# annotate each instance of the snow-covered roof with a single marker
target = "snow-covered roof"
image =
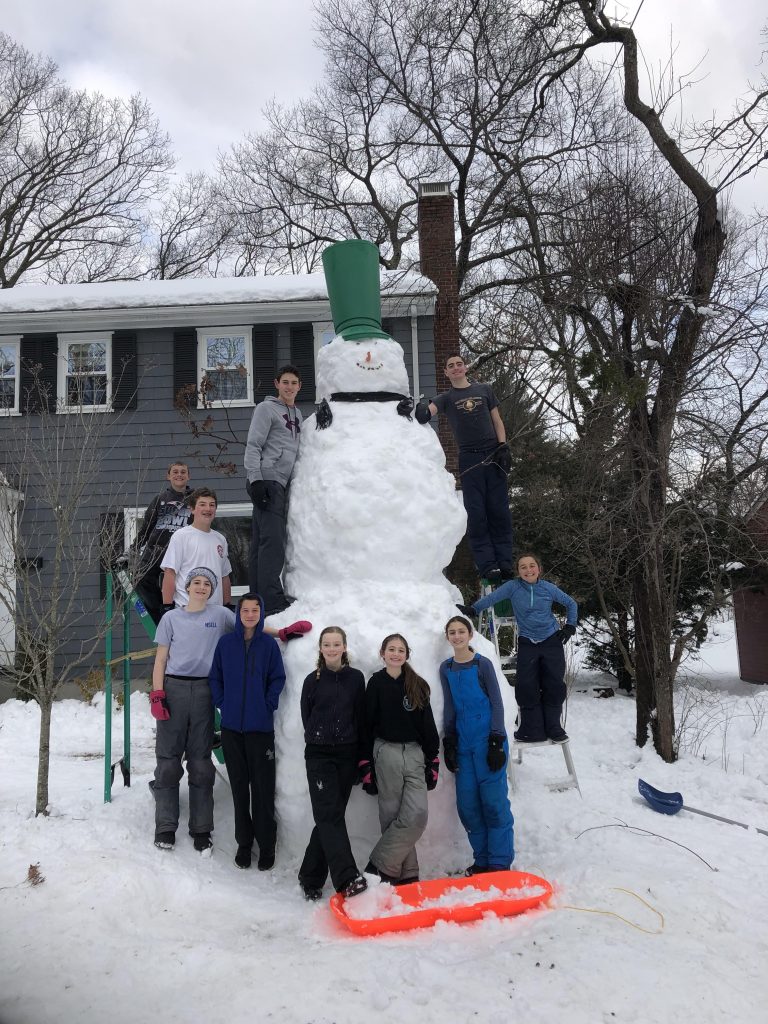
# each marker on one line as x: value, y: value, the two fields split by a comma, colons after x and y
x: 30, y: 307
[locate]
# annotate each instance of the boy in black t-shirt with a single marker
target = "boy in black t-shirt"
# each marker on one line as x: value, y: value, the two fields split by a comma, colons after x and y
x: 484, y: 461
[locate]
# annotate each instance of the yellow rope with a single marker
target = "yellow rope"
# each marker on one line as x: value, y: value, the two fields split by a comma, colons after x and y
x: 611, y: 913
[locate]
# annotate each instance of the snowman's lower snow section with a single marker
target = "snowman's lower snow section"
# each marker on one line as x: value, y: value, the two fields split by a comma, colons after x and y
x: 367, y: 613
x: 373, y: 518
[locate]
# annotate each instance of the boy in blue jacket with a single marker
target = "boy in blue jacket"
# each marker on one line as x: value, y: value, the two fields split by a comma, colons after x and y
x: 246, y: 679
x: 540, y: 684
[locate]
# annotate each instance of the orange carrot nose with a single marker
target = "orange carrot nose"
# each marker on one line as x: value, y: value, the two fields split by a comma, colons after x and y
x: 368, y: 357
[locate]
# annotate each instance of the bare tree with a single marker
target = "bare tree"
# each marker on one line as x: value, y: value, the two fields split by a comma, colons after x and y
x: 77, y: 171
x: 53, y: 537
x: 190, y: 231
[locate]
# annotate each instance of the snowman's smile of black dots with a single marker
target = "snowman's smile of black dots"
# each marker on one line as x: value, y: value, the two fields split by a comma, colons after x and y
x: 367, y: 364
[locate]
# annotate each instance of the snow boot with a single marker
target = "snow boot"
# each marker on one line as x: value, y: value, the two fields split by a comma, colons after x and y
x: 165, y: 840
x: 355, y: 887
x: 243, y: 857
x: 476, y: 869
x: 202, y: 842
x: 311, y: 892
x: 371, y: 869
x: 266, y: 860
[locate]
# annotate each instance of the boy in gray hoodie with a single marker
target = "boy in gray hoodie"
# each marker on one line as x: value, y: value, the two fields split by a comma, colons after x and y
x: 270, y: 454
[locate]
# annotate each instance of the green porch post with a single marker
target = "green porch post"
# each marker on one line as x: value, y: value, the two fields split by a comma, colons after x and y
x: 108, y: 694
x: 126, y: 691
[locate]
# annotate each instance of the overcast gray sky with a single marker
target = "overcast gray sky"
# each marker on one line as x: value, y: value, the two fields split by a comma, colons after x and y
x: 209, y: 66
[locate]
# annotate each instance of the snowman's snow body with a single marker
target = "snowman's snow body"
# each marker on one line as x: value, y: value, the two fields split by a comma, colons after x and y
x: 373, y: 519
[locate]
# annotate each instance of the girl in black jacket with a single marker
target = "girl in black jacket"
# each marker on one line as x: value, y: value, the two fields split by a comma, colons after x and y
x: 405, y: 761
x: 333, y: 716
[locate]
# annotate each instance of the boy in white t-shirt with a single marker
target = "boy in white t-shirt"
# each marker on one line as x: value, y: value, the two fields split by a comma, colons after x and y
x: 194, y: 546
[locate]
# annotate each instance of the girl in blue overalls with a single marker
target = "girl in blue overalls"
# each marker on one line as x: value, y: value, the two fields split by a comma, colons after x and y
x: 475, y: 748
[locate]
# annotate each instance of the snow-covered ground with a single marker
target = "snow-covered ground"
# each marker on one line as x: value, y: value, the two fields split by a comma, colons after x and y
x: 655, y: 919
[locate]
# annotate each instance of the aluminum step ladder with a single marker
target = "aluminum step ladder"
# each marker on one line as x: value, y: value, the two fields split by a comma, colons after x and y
x: 491, y: 621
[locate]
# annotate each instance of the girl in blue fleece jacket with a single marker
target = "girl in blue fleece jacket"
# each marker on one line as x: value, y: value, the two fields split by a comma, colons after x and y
x: 246, y: 680
x: 540, y: 683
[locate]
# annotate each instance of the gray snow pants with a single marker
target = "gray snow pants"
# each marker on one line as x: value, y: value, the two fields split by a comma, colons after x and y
x: 399, y: 771
x: 190, y: 730
x: 267, y: 554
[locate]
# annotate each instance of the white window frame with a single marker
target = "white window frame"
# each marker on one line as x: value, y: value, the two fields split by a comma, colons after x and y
x: 133, y: 514
x: 203, y: 334
x: 13, y: 341
x: 62, y: 365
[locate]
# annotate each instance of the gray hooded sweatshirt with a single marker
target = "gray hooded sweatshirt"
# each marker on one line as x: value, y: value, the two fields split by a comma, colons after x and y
x: 273, y: 441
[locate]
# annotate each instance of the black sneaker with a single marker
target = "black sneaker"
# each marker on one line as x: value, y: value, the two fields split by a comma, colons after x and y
x: 519, y: 738
x: 493, y: 576
x: 476, y: 869
x: 311, y: 892
x: 559, y: 737
x: 243, y: 857
x: 266, y: 860
x: 165, y: 840
x: 355, y: 887
x: 202, y: 842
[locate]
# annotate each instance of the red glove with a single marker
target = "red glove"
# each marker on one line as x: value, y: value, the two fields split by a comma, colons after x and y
x: 158, y: 705
x: 431, y: 768
x: 294, y: 631
x: 366, y: 775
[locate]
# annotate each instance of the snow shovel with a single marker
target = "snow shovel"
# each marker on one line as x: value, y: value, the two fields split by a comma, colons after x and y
x: 671, y: 803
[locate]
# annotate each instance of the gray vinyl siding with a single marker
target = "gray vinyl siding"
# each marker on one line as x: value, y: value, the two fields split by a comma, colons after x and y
x: 139, y: 444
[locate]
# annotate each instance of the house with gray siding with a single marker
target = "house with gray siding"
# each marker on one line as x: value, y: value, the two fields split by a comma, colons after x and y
x: 137, y: 354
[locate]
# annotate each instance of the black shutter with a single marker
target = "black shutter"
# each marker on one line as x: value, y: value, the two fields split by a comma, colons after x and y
x: 303, y: 357
x: 125, y: 376
x: 38, y: 372
x: 111, y: 544
x: 185, y: 382
x: 264, y: 360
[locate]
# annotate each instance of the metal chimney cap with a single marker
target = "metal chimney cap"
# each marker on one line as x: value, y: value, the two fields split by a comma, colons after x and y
x: 434, y: 188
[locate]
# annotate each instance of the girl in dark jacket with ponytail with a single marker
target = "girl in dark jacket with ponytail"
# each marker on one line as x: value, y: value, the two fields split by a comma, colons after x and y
x: 405, y: 760
x: 333, y: 716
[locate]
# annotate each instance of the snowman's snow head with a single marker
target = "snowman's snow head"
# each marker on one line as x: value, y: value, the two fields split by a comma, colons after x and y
x: 371, y: 365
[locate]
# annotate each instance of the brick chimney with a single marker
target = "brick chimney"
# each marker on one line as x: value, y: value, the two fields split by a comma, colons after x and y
x: 437, y: 256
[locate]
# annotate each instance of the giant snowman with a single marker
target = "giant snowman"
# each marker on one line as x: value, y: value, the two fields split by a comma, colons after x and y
x: 373, y: 519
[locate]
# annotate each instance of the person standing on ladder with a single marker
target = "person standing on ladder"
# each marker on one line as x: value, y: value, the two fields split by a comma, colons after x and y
x: 540, y: 682
x: 484, y: 462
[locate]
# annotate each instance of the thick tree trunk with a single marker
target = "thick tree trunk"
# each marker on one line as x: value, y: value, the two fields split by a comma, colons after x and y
x: 650, y: 592
x: 43, y: 759
x: 623, y: 675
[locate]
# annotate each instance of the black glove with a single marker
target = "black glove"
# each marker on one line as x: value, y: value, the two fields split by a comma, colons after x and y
x: 422, y: 411
x: 324, y: 416
x: 431, y: 770
x: 495, y: 758
x: 566, y: 633
x: 468, y: 610
x: 503, y: 457
x: 450, y: 758
x: 259, y: 493
x: 405, y: 407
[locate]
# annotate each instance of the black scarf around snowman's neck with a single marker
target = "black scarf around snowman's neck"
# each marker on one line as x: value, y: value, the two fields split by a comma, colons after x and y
x: 324, y: 416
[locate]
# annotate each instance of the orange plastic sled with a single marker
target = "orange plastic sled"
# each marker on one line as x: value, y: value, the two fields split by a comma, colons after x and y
x: 416, y: 893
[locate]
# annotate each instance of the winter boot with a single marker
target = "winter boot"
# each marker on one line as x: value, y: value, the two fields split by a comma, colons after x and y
x: 243, y: 857
x: 355, y: 887
x: 266, y: 860
x: 165, y: 840
x: 202, y: 842
x: 476, y: 869
x: 311, y: 892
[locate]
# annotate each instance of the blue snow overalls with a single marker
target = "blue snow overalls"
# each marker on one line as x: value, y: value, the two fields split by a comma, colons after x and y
x: 481, y: 795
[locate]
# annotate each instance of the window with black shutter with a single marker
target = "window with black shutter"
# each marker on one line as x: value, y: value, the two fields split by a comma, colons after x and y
x: 303, y: 355
x: 125, y: 376
x: 264, y: 360
x: 185, y: 381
